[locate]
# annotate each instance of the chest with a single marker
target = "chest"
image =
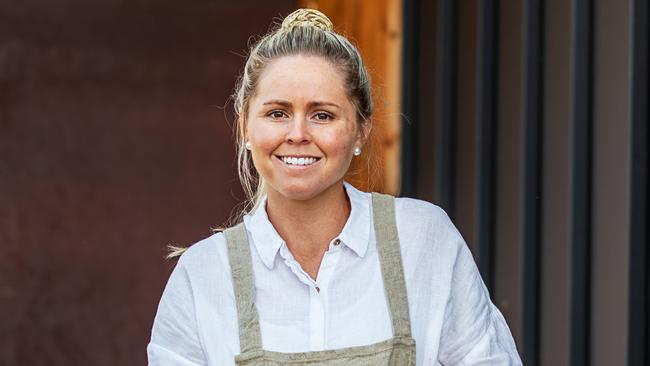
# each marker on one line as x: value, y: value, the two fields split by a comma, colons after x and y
x: 348, y: 309
x: 343, y: 305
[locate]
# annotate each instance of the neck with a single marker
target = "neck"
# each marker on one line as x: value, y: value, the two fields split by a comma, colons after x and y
x: 307, y: 226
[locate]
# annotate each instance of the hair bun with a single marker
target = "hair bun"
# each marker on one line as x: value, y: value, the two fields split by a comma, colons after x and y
x: 307, y: 17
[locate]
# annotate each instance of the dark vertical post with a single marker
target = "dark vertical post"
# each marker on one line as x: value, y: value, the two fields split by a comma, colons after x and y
x: 445, y: 136
x: 486, y: 138
x: 410, y: 21
x: 532, y: 167
x: 639, y: 324
x: 581, y: 189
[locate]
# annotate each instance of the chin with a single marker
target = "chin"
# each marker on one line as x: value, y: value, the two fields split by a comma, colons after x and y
x: 300, y: 193
x: 301, y: 190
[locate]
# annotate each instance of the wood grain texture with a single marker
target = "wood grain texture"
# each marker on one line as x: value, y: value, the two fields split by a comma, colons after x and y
x: 375, y: 26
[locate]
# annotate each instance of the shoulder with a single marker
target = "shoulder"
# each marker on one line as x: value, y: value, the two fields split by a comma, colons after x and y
x: 419, y: 208
x: 205, y: 255
x: 198, y: 292
x: 424, y: 226
x: 414, y: 213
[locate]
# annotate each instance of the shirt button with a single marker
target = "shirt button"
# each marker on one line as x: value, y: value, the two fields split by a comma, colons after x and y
x: 317, y: 289
x: 337, y: 242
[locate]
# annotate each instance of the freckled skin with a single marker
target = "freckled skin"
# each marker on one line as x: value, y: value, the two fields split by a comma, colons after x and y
x: 301, y: 108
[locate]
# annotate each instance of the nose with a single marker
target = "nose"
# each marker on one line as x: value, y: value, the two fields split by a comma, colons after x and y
x: 298, y: 131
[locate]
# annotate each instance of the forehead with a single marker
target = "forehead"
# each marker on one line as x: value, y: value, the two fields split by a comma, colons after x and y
x: 301, y: 76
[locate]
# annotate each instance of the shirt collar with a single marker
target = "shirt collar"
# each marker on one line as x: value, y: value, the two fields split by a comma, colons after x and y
x: 355, y: 234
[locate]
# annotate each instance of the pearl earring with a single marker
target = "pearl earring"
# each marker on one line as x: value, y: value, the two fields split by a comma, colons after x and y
x: 248, y: 145
x: 357, y: 151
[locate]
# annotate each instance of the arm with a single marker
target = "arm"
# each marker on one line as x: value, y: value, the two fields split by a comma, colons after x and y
x: 174, y: 337
x: 474, y: 331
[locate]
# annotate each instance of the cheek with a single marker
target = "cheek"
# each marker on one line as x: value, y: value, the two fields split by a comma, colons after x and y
x: 262, y: 137
x: 346, y: 143
x: 345, y: 148
x: 342, y: 148
x: 335, y: 143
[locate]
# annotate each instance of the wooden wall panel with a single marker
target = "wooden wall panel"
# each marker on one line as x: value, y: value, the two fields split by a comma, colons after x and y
x: 375, y: 27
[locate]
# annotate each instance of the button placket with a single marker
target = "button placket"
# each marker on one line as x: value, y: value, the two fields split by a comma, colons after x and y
x: 320, y: 294
x: 317, y: 319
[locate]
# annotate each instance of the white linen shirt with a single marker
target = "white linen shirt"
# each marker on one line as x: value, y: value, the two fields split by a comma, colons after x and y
x: 453, y: 320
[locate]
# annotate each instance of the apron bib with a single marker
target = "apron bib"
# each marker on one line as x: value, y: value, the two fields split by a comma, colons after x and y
x: 397, y: 351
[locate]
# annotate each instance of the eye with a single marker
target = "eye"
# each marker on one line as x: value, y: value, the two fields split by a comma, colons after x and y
x: 277, y: 114
x: 323, y: 116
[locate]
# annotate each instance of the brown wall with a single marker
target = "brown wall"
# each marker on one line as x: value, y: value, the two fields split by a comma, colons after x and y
x: 113, y: 144
x: 611, y: 205
x: 556, y: 185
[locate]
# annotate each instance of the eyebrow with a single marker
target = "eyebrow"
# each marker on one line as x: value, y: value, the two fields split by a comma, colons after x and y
x: 313, y: 104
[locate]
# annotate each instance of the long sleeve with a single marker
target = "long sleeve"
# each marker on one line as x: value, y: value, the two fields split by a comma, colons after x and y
x: 474, y: 331
x: 174, y: 337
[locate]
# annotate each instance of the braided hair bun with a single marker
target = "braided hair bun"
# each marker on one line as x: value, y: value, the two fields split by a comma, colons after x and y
x: 307, y: 17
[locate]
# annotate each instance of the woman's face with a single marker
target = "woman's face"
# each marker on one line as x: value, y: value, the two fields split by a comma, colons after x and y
x: 302, y: 127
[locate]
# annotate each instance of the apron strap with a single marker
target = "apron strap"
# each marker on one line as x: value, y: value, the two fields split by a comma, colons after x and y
x: 243, y: 283
x: 390, y: 259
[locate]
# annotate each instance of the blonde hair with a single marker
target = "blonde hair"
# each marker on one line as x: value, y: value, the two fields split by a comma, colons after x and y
x: 303, y: 32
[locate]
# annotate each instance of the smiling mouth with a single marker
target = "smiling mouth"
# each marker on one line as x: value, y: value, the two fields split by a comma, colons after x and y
x: 298, y: 160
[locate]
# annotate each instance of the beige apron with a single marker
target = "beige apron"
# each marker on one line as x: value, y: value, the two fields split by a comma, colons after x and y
x: 397, y: 351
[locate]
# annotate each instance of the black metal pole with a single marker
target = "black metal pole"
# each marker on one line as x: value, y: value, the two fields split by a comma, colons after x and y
x: 532, y: 190
x: 581, y: 186
x: 409, y: 97
x: 446, y: 106
x: 639, y: 293
x: 487, y: 138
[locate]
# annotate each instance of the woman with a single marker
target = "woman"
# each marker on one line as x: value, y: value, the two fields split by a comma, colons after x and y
x: 319, y: 272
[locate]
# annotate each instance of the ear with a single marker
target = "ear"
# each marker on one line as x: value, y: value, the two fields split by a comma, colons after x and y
x: 364, y: 132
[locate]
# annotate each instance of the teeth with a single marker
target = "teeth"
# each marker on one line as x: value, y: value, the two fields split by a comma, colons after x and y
x: 298, y: 161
